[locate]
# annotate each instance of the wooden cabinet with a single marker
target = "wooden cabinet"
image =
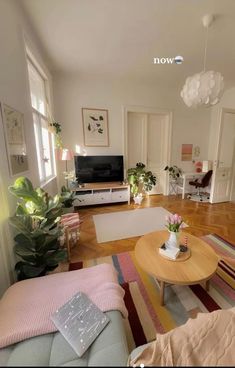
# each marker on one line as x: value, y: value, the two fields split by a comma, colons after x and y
x: 101, y: 193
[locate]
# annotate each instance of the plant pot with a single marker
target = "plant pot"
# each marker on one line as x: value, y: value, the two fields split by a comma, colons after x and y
x: 173, y: 240
x: 138, y: 199
x: 67, y: 210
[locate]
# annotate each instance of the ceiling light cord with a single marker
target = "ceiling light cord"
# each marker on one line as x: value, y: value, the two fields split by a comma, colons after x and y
x: 203, y: 88
x: 205, y: 50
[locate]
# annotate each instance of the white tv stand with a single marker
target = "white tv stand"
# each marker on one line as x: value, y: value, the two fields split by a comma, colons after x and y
x: 99, y: 193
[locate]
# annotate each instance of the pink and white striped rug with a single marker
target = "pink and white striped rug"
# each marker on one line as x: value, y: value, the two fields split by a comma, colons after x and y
x: 146, y: 316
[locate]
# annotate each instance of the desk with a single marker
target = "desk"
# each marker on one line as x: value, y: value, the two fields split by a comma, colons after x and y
x: 173, y: 187
x: 186, y: 177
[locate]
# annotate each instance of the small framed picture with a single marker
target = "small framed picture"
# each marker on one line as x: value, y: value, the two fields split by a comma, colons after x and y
x: 13, y: 124
x: 187, y: 152
x: 95, y: 127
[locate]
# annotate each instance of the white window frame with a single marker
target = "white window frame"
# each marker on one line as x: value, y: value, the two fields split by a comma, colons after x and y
x: 39, y: 125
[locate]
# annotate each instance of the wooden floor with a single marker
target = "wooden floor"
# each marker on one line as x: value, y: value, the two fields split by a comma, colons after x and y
x: 202, y: 218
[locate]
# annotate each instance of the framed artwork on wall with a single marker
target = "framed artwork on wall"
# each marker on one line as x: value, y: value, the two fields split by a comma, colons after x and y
x: 187, y: 152
x: 95, y: 127
x: 13, y: 124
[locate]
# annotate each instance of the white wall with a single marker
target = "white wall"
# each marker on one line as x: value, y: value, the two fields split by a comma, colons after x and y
x: 14, y: 91
x: 72, y: 92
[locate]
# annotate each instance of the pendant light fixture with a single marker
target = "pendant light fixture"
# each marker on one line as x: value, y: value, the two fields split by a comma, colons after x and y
x: 206, y: 87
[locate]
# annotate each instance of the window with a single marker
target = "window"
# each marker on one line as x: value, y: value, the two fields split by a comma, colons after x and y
x: 44, y: 138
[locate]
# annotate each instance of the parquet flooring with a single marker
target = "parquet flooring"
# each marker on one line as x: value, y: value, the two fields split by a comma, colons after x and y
x: 202, y: 218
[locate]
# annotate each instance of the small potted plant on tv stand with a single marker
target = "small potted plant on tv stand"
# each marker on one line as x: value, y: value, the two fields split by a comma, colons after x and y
x: 67, y: 198
x: 141, y: 181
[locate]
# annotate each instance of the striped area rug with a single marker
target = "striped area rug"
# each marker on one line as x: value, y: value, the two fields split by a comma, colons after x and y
x: 146, y: 316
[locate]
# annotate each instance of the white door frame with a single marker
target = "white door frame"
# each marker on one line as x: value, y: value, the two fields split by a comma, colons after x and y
x: 232, y: 173
x: 168, y: 135
x: 222, y: 111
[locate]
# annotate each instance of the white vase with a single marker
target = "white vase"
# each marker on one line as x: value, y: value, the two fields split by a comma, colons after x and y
x: 173, y: 241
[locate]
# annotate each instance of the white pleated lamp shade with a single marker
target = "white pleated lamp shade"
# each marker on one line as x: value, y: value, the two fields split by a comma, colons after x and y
x: 204, y: 88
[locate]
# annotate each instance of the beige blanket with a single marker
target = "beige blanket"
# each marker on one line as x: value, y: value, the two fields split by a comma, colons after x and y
x: 208, y: 340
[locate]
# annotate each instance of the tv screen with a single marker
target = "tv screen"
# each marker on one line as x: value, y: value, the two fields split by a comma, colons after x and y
x: 98, y: 169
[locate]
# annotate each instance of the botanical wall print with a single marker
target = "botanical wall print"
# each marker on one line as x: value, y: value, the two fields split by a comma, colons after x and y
x: 187, y: 152
x: 13, y: 122
x: 196, y: 151
x: 95, y: 127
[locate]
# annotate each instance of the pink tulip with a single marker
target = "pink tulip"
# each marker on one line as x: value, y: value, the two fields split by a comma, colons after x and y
x: 176, y: 216
x: 168, y: 218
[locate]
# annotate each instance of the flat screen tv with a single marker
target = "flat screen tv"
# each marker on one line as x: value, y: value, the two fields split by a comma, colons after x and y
x: 98, y: 169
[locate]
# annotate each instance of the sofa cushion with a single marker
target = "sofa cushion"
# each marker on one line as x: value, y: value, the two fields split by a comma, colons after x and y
x: 109, y: 349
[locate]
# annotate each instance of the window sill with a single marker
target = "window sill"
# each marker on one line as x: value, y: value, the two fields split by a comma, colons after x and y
x: 46, y: 182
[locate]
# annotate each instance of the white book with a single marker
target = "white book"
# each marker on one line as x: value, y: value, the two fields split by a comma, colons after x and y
x: 171, y: 253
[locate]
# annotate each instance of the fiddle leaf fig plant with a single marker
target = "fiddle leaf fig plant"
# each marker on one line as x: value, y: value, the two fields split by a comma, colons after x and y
x: 140, y: 179
x: 36, y: 221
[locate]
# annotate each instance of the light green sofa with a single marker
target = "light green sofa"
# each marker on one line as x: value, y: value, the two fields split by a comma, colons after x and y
x: 108, y: 350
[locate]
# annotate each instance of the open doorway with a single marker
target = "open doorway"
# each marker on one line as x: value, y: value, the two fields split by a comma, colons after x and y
x: 223, y: 182
x: 147, y: 139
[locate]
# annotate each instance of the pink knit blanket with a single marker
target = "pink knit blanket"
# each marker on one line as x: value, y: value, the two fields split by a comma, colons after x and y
x: 26, y: 307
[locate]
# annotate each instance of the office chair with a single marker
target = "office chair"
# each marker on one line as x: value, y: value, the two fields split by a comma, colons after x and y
x: 205, y: 181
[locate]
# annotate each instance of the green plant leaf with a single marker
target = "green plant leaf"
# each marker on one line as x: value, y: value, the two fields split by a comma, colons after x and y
x: 23, y: 189
x: 29, y: 270
x: 63, y: 189
x: 26, y: 240
x: 25, y: 254
x: 56, y: 257
x: 22, y: 223
x: 40, y: 241
x: 50, y: 243
x: 21, y: 210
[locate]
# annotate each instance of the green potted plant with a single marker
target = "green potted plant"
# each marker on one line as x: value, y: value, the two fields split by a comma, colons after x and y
x: 36, y: 220
x: 67, y: 198
x: 174, y: 172
x: 56, y: 128
x: 140, y: 180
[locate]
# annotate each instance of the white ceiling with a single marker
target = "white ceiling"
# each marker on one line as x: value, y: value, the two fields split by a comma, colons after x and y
x: 121, y: 37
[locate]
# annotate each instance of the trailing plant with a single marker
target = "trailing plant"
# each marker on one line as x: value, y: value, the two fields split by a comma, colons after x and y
x: 140, y: 180
x: 57, y: 129
x: 67, y: 197
x: 174, y: 171
x: 37, y: 222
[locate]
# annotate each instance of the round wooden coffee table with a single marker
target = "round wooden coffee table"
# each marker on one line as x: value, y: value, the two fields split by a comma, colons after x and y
x: 199, y: 267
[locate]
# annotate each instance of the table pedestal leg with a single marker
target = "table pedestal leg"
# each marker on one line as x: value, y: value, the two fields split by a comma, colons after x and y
x: 208, y: 285
x: 162, y: 288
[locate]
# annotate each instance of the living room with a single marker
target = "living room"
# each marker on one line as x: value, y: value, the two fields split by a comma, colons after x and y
x: 110, y: 58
